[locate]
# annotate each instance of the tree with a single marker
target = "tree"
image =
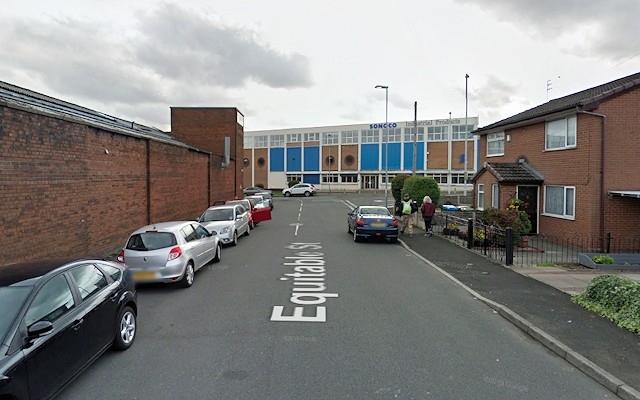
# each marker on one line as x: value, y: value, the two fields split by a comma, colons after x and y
x: 420, y: 186
x: 397, y: 184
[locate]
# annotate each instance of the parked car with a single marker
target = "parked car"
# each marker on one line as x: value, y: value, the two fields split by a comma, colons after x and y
x: 268, y: 198
x: 170, y: 252
x: 372, y: 221
x: 229, y: 221
x: 254, y: 189
x: 256, y: 214
x: 300, y: 189
x: 56, y: 318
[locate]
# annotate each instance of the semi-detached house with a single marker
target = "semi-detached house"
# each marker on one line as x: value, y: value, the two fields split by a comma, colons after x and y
x: 574, y: 161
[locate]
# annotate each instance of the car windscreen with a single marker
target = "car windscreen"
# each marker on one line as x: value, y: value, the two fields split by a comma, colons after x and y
x: 11, y: 300
x: 374, y: 211
x: 148, y: 241
x: 223, y: 214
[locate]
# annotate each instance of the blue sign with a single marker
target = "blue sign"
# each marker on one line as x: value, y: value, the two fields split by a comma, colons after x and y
x: 383, y: 125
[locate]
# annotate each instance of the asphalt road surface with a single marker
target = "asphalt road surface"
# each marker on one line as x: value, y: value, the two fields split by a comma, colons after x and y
x: 299, y: 311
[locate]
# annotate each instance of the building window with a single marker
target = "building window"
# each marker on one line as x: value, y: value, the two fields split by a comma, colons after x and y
x: 261, y: 141
x: 294, y: 137
x: 349, y: 178
x: 395, y: 134
x: 330, y: 160
x: 349, y: 160
x: 330, y: 138
x: 311, y: 137
x: 458, y: 132
x: 330, y: 178
x: 277, y: 141
x: 349, y: 137
x: 370, y: 136
x: 559, y: 201
x: 495, y: 144
x: 248, y: 142
x: 409, y: 132
x: 480, y: 196
x: 294, y: 177
x: 495, y: 196
x: 440, y: 178
x: 435, y: 133
x: 261, y: 162
x: 457, y: 179
x: 560, y: 134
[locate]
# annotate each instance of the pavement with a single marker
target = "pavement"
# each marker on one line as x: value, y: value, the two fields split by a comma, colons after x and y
x: 538, y: 301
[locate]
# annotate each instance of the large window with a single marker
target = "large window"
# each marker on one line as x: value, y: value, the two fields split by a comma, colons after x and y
x: 248, y: 142
x: 480, y: 196
x: 330, y: 138
x: 409, y: 132
x: 312, y: 137
x: 438, y: 133
x: 277, y: 141
x: 559, y: 201
x: 457, y: 179
x: 394, y: 135
x: 330, y: 178
x: 495, y: 144
x: 560, y: 134
x: 294, y: 137
x: 294, y: 177
x: 370, y: 136
x: 440, y: 178
x: 349, y: 178
x: 458, y: 132
x: 260, y: 141
x: 349, y: 137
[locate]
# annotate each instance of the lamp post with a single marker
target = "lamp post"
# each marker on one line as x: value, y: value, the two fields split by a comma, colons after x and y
x: 386, y: 143
x: 330, y: 136
x: 466, y: 135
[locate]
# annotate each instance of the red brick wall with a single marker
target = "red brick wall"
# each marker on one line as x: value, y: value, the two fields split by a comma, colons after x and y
x: 62, y: 194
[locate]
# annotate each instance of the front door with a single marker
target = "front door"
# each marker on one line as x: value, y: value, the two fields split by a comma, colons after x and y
x: 529, y: 195
x: 369, y: 181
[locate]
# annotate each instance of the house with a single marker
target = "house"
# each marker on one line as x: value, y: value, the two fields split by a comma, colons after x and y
x: 574, y: 161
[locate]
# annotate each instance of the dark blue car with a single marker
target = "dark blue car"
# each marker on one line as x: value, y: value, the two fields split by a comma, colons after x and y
x: 372, y: 222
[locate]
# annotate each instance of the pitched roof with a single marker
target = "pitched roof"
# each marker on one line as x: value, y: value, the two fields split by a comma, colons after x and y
x: 585, y: 100
x: 520, y: 172
x: 16, y: 96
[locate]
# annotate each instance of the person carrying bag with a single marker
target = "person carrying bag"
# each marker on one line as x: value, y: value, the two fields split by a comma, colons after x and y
x: 428, y: 209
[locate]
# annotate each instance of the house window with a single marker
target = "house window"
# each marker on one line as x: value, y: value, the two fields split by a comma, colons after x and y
x: 277, y: 141
x: 349, y: 137
x: 311, y: 137
x: 330, y: 138
x: 437, y: 133
x: 495, y: 196
x: 559, y: 201
x: 260, y: 141
x: 294, y: 137
x: 480, y: 196
x: 495, y: 144
x: 370, y: 136
x: 560, y: 134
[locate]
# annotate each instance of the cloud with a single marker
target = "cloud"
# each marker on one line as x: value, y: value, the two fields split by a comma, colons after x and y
x: 498, y: 99
x: 602, y: 29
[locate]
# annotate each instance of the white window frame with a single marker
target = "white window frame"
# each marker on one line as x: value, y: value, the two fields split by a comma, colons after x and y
x: 261, y: 141
x: 437, y: 133
x: 480, y: 197
x: 457, y: 179
x: 566, y: 132
x: 349, y: 178
x: 394, y: 134
x: 370, y: 136
x: 294, y: 177
x: 277, y: 140
x: 294, y: 137
x: 440, y: 178
x: 458, y: 133
x: 408, y: 134
x: 495, y: 195
x: 568, y: 202
x: 330, y: 178
x: 492, y: 140
x: 330, y: 138
x: 248, y: 142
x: 312, y: 137
x: 349, y: 137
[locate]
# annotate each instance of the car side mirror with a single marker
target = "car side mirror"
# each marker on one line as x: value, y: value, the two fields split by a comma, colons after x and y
x: 213, y: 233
x: 38, y: 329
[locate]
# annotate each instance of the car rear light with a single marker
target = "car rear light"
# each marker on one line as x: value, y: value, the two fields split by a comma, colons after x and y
x: 174, y: 253
x: 395, y: 223
x: 121, y: 256
x: 360, y: 222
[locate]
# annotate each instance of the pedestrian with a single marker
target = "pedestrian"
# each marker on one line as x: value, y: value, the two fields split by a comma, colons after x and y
x: 409, y: 206
x: 427, y: 209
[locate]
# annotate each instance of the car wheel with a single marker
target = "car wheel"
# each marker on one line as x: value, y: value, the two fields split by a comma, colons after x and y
x: 287, y: 194
x: 355, y: 236
x: 218, y: 256
x: 307, y: 193
x: 187, y: 278
x: 348, y: 228
x: 235, y: 238
x: 125, y: 329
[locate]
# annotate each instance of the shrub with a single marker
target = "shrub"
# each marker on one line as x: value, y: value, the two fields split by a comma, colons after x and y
x: 293, y: 182
x: 420, y: 186
x: 513, y: 216
x: 615, y: 298
x: 602, y: 259
x: 397, y: 183
x: 260, y: 185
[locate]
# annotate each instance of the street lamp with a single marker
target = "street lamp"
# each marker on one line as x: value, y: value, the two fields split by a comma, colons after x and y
x: 386, y: 143
x: 466, y: 134
x: 330, y: 142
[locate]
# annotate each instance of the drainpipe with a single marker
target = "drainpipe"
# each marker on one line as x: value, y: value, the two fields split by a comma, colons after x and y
x: 602, y: 166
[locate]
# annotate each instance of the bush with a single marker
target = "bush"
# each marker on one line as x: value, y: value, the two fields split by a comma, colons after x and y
x: 615, y: 298
x: 293, y: 182
x: 602, y: 259
x: 513, y: 217
x: 420, y: 186
x: 260, y: 185
x: 397, y: 183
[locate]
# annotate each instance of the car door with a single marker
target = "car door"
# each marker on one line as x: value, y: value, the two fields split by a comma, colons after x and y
x: 260, y: 214
x: 99, y: 306
x: 207, y: 244
x: 194, y: 246
x: 53, y: 357
x: 242, y: 218
x: 352, y: 218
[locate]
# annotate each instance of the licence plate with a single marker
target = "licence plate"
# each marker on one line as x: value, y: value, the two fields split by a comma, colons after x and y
x: 378, y: 224
x: 144, y: 275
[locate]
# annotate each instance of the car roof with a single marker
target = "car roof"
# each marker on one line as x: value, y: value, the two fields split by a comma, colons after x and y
x: 13, y: 273
x: 221, y: 207
x: 168, y: 226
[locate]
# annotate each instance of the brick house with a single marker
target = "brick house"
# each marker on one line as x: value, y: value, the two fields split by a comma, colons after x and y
x: 574, y: 161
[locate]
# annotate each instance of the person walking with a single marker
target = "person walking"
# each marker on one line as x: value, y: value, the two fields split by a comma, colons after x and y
x: 409, y: 206
x: 428, y: 209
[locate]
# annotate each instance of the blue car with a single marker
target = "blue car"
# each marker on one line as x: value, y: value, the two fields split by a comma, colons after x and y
x: 365, y: 222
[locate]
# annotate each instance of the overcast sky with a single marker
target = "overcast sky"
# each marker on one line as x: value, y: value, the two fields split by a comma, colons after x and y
x: 304, y: 63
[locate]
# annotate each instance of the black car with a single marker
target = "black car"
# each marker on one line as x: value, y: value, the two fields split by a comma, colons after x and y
x: 251, y: 190
x: 56, y: 318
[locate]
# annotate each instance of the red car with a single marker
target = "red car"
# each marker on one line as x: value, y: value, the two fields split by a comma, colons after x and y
x: 257, y: 212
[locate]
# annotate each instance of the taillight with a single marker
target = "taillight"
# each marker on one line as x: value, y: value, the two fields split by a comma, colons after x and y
x: 174, y: 253
x: 121, y: 256
x: 360, y: 222
x: 395, y: 223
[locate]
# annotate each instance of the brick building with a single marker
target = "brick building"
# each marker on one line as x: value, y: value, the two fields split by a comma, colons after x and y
x: 573, y: 160
x: 74, y: 181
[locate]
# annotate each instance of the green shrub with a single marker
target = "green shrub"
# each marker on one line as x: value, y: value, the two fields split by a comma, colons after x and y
x: 260, y: 185
x: 397, y: 184
x: 602, y: 259
x: 615, y: 298
x: 420, y: 186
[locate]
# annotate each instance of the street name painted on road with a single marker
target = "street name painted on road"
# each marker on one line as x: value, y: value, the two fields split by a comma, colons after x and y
x: 308, y: 285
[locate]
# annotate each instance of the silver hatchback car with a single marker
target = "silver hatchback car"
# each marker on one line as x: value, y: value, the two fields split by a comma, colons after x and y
x: 228, y: 221
x: 170, y: 252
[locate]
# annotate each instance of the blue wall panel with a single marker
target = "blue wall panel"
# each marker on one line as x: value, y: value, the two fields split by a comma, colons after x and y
x: 313, y: 179
x: 369, y: 157
x: 276, y: 159
x: 408, y: 156
x: 294, y: 159
x: 312, y: 158
x: 394, y: 156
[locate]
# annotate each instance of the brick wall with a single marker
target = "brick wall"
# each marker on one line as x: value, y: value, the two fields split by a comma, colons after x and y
x: 72, y: 189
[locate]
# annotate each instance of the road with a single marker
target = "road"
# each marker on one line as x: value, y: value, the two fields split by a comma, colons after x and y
x: 299, y: 311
